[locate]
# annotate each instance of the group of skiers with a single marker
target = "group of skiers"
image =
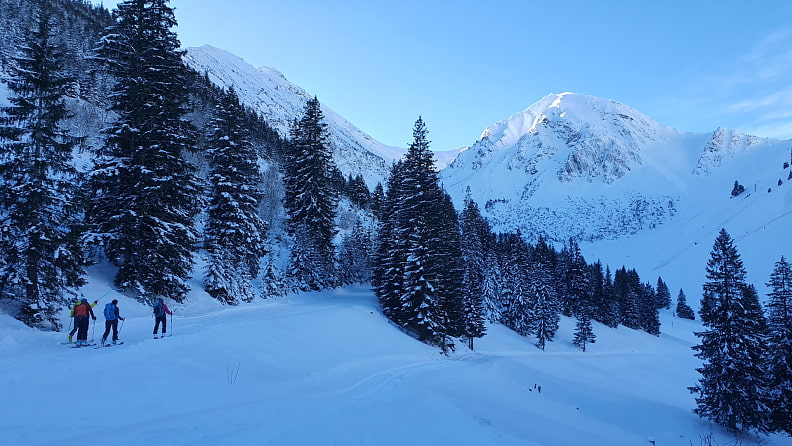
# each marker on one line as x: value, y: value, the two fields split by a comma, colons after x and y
x: 81, y: 312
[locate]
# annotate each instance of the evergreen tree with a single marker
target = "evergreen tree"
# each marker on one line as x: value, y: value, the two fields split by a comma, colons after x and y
x: 418, y: 261
x: 627, y: 286
x: 377, y: 200
x: 272, y: 281
x: 610, y: 311
x: 546, y: 314
x: 355, y: 255
x: 447, y: 265
x: 235, y: 234
x: 731, y: 390
x: 145, y: 193
x: 779, y: 347
x: 391, y: 252
x: 577, y: 289
x: 683, y: 310
x: 474, y: 228
x: 647, y: 308
x: 310, y: 202
x: 419, y: 203
x: 492, y: 286
x: 518, y: 305
x: 584, y: 332
x: 40, y: 259
x: 663, y: 294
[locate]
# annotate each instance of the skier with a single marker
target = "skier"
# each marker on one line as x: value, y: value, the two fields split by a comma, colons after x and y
x: 160, y: 312
x: 112, y: 315
x: 74, y: 330
x: 81, y: 314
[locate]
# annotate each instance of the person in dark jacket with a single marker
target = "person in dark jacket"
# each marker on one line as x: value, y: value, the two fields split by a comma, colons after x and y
x: 81, y: 314
x: 112, y: 316
x: 160, y: 315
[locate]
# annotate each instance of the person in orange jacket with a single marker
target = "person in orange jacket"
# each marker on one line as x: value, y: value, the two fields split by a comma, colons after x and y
x: 74, y: 330
x: 81, y: 314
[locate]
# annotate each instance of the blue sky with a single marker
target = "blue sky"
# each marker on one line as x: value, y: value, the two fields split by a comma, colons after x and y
x: 464, y: 65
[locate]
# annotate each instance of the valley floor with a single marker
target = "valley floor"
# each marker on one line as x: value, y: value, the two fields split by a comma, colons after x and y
x: 329, y: 369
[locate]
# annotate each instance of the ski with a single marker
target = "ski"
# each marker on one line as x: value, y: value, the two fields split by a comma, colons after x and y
x: 82, y: 346
x: 109, y: 345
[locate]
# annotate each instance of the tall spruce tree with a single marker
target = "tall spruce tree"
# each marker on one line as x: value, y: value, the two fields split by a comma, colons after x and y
x: 355, y: 256
x: 40, y: 259
x: 418, y: 263
x: 584, y: 332
x: 517, y: 300
x: 235, y: 234
x: 683, y: 310
x: 145, y: 193
x: 391, y: 253
x: 778, y: 361
x: 419, y: 202
x: 474, y: 232
x: 663, y: 294
x: 732, y: 390
x: 546, y: 314
x: 310, y: 202
x: 648, y: 311
x: 576, y: 287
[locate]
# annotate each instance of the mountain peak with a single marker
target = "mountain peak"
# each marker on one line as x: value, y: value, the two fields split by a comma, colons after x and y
x: 573, y: 111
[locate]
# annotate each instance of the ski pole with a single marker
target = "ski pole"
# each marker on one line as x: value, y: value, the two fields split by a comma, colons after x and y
x: 103, y: 295
x: 171, y: 315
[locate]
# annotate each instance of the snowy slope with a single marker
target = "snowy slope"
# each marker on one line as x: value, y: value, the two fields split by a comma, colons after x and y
x: 618, y: 182
x: 268, y: 92
x: 328, y: 369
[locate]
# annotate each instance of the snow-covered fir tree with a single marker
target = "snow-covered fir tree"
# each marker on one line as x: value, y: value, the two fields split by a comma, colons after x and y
x: 627, y: 287
x: 447, y: 265
x: 355, y: 256
x: 546, y: 312
x: 610, y: 311
x: 310, y: 202
x: 475, y: 231
x: 390, y: 258
x: 272, y: 280
x: 778, y: 361
x: 418, y: 262
x: 648, y: 310
x: 584, y: 332
x: 576, y: 290
x: 234, y: 234
x: 41, y: 263
x: 683, y: 310
x: 517, y: 302
x: 144, y: 191
x: 732, y: 389
x: 662, y: 294
x: 492, y: 287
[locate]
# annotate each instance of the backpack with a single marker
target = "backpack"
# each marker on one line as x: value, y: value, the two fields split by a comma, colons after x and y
x: 81, y: 310
x: 158, y: 310
x: 110, y: 311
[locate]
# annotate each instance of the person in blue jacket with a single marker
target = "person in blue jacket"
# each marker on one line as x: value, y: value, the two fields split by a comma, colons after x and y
x: 112, y: 316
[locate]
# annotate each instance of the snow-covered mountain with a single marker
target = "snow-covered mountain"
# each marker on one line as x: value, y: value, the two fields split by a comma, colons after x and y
x: 280, y: 102
x: 615, y: 180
